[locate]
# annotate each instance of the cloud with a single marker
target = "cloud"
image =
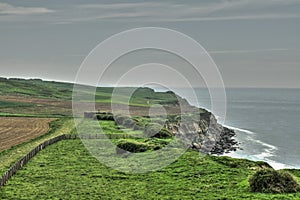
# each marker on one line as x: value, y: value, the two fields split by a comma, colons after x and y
x: 157, y: 11
x: 238, y: 17
x: 247, y: 51
x: 8, y: 9
x: 172, y: 11
x: 118, y: 6
x: 164, y: 11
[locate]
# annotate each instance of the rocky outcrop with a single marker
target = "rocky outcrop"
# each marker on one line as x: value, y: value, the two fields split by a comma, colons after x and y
x: 205, y: 135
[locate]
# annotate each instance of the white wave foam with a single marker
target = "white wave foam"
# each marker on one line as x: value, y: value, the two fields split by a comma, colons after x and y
x: 269, y: 151
x: 239, y: 129
x: 272, y: 163
x: 277, y: 165
x: 270, y: 148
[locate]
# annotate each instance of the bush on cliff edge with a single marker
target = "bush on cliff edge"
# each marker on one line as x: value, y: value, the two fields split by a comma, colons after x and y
x: 272, y: 181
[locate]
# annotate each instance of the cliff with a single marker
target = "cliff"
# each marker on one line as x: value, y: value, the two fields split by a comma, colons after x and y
x: 205, y: 135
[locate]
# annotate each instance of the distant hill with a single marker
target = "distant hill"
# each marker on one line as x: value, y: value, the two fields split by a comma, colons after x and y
x: 63, y: 91
x: 36, y: 97
x: 35, y: 88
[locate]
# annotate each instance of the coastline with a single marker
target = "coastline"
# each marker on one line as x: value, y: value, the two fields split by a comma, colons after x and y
x: 270, y: 151
x: 240, y: 152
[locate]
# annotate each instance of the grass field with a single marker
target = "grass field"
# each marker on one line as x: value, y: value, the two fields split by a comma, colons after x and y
x: 107, y: 127
x: 66, y: 170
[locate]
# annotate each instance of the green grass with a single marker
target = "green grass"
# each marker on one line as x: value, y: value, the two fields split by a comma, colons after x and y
x: 60, y: 95
x: 89, y: 126
x: 39, y: 115
x: 63, y: 91
x: 66, y: 170
x: 15, y: 105
x: 35, y: 88
x: 10, y: 156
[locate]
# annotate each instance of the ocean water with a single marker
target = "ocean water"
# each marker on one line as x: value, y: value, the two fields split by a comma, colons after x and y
x: 266, y: 121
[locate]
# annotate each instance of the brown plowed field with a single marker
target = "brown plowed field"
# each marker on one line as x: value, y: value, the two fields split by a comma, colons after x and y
x: 16, y: 130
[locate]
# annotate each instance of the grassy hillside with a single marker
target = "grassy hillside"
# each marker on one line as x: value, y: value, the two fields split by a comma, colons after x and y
x: 66, y: 170
x: 36, y: 88
x: 35, y: 97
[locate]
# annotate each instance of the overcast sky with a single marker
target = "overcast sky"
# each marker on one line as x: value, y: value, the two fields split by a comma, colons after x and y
x: 254, y: 43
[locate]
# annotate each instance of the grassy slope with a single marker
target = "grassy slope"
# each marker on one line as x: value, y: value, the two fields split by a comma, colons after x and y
x: 66, y: 170
x: 36, y: 88
x: 63, y: 91
x: 33, y: 97
x: 49, y: 90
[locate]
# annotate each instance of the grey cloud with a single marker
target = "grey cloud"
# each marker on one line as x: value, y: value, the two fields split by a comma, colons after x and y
x: 177, y: 11
x: 8, y: 9
x: 247, y: 51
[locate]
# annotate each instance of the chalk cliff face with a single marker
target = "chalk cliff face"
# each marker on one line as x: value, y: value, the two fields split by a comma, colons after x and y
x: 205, y: 135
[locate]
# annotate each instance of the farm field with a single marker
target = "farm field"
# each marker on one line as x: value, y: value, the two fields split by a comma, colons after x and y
x: 57, y: 127
x: 14, y: 131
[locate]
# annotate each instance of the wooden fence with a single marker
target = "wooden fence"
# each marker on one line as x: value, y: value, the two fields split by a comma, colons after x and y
x: 19, y: 164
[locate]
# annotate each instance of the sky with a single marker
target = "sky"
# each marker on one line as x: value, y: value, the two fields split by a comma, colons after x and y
x: 254, y: 43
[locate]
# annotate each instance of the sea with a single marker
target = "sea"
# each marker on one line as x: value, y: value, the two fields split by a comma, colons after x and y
x: 266, y: 122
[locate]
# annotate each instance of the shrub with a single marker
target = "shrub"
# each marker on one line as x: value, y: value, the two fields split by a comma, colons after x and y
x: 174, y: 118
x: 137, y: 127
x: 108, y: 117
x: 177, y: 118
x: 125, y: 121
x: 133, y: 146
x: 142, y: 123
x: 129, y: 123
x: 163, y: 133
x: 152, y: 129
x: 159, y: 121
x: 271, y: 181
x: 156, y: 130
x: 119, y: 119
